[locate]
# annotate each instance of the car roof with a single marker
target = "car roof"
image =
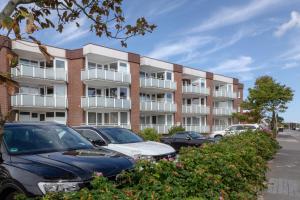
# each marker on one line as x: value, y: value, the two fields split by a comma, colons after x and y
x: 97, y: 127
x: 12, y: 124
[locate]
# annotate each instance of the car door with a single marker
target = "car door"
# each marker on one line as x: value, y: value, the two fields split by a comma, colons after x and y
x: 180, y: 140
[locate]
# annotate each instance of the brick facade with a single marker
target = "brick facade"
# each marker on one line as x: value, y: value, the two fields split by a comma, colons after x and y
x: 178, y: 93
x: 209, y: 99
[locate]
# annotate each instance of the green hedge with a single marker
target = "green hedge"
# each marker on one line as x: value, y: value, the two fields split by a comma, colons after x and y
x: 149, y: 134
x: 233, y: 168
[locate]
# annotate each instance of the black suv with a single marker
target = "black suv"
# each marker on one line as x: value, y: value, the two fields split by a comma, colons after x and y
x: 39, y: 158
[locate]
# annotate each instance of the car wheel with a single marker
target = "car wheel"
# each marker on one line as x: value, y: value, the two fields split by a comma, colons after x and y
x: 11, y: 195
x: 218, y: 137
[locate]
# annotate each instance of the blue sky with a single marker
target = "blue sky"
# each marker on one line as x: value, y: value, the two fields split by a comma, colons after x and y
x: 243, y: 39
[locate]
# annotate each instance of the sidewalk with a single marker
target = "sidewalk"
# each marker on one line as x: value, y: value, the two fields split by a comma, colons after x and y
x: 284, y: 174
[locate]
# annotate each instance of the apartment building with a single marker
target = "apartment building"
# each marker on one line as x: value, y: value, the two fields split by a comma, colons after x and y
x: 95, y: 85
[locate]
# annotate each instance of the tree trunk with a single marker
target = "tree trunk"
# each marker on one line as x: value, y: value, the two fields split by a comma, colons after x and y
x: 274, y: 123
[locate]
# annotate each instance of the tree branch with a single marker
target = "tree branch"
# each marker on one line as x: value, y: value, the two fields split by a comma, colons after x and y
x: 11, y: 6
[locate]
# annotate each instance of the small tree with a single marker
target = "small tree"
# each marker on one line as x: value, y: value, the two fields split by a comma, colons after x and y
x: 268, y: 98
x: 150, y: 134
x: 175, y: 129
x: 105, y: 18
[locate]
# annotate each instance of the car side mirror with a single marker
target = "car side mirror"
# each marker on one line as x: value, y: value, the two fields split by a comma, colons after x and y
x: 98, y: 142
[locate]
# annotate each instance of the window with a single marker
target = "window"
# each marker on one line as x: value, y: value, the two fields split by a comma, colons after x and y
x: 120, y: 135
x: 124, y: 117
x: 239, y: 94
x: 91, y: 65
x: 113, y: 92
x: 123, y: 64
x: 169, y: 97
x: 42, y: 91
x: 169, y: 120
x: 105, y: 67
x: 99, y: 66
x: 98, y: 92
x: 99, y: 118
x: 60, y: 114
x: 169, y: 75
x: 50, y: 90
x: 91, y: 118
x: 202, y: 83
x: 24, y: 113
x: 49, y: 64
x: 34, y: 115
x: 106, y: 118
x: 90, y: 135
x: 161, y: 75
x: 182, y: 135
x: 49, y: 114
x: 142, y: 74
x: 113, y: 66
x: 42, y: 64
x: 60, y: 64
x: 202, y: 101
x: 114, y: 118
x: 91, y: 92
x: 123, y: 93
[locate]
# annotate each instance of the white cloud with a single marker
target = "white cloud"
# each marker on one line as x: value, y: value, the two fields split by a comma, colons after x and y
x: 72, y: 32
x: 237, y: 14
x: 164, y: 7
x: 294, y: 22
x: 290, y: 65
x: 240, y: 67
x: 181, y: 47
x: 292, y: 54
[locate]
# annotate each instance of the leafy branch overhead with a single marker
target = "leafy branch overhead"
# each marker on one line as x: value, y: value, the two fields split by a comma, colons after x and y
x: 106, y: 17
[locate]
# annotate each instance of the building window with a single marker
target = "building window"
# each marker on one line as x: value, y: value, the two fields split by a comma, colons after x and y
x: 49, y: 114
x: 91, y: 118
x: 91, y: 65
x: 124, y: 118
x: 113, y: 92
x: 60, y: 64
x: 91, y: 92
x: 34, y: 115
x: 50, y: 90
x: 123, y: 93
x: 24, y: 113
x: 113, y: 66
x: 161, y: 75
x: 99, y: 118
x: 60, y: 114
x: 169, y: 75
x: 114, y: 118
x: 239, y: 94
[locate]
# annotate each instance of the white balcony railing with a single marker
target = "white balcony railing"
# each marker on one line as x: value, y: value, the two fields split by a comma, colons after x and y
x: 160, y: 128
x: 157, y: 83
x: 105, y: 102
x: 197, y: 128
x: 157, y: 106
x: 31, y: 100
x: 225, y: 94
x: 195, y: 109
x: 31, y: 71
x: 224, y: 111
x: 106, y: 75
x: 190, y: 89
x: 127, y: 126
x: 219, y: 127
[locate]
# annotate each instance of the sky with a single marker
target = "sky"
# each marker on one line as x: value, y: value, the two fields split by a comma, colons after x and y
x: 243, y: 39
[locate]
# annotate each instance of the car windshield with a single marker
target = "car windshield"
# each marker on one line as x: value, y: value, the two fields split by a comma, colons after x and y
x: 31, y: 139
x: 195, y: 134
x: 120, y: 136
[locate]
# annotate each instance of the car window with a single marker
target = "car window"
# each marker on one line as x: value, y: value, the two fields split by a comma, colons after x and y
x: 180, y: 135
x: 232, y: 128
x: 120, y: 135
x: 90, y: 134
x: 42, y: 138
x: 239, y: 128
x: 248, y: 127
x: 194, y: 135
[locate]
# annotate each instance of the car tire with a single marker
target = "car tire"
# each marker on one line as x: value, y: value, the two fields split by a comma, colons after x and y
x: 11, y: 195
x: 218, y: 137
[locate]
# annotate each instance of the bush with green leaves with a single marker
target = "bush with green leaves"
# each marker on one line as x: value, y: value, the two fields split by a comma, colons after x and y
x: 175, y: 129
x: 149, y: 134
x: 233, y: 168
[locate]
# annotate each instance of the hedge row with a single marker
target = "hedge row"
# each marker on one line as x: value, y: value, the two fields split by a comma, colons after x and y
x: 233, y: 168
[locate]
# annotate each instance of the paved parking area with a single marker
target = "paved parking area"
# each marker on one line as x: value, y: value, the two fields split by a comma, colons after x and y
x: 284, y: 174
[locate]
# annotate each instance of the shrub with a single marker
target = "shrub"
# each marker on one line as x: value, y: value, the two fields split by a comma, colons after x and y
x: 175, y: 129
x: 233, y: 168
x: 150, y: 134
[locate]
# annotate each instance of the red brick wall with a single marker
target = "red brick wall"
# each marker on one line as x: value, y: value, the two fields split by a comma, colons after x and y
x: 178, y: 93
x: 5, y: 44
x: 134, y: 62
x: 76, y: 62
x: 241, y: 91
x: 210, y: 85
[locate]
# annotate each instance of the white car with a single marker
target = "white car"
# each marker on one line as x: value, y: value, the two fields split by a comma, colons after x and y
x: 234, y: 129
x: 126, y: 142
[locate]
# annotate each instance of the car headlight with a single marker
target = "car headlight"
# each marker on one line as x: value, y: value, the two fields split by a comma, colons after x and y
x: 47, y: 187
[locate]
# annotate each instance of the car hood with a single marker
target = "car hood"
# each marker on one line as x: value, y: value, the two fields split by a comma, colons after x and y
x: 77, y: 164
x: 148, y: 148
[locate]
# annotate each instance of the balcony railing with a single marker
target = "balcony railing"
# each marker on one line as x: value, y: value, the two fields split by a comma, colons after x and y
x: 190, y: 89
x: 157, y: 106
x: 219, y: 127
x: 31, y: 100
x: 224, y: 111
x: 105, y: 102
x: 195, y: 109
x: 127, y: 126
x: 157, y: 83
x: 197, y: 128
x: 225, y: 94
x: 105, y: 75
x: 31, y: 71
x: 160, y: 128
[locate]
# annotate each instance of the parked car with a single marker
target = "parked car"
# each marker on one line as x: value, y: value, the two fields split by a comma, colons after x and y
x: 37, y: 158
x: 126, y: 142
x: 234, y: 129
x: 186, y: 138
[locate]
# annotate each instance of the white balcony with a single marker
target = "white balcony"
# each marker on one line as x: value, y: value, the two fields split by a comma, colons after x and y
x: 219, y: 127
x: 160, y: 128
x: 127, y: 126
x: 224, y: 94
x: 105, y: 102
x: 157, y: 84
x: 196, y: 90
x: 224, y: 111
x: 100, y: 76
x: 30, y: 71
x: 156, y: 106
x: 195, y: 109
x: 197, y: 128
x: 38, y: 101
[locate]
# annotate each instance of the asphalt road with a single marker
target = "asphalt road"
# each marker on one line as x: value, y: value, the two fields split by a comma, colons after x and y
x: 284, y: 173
